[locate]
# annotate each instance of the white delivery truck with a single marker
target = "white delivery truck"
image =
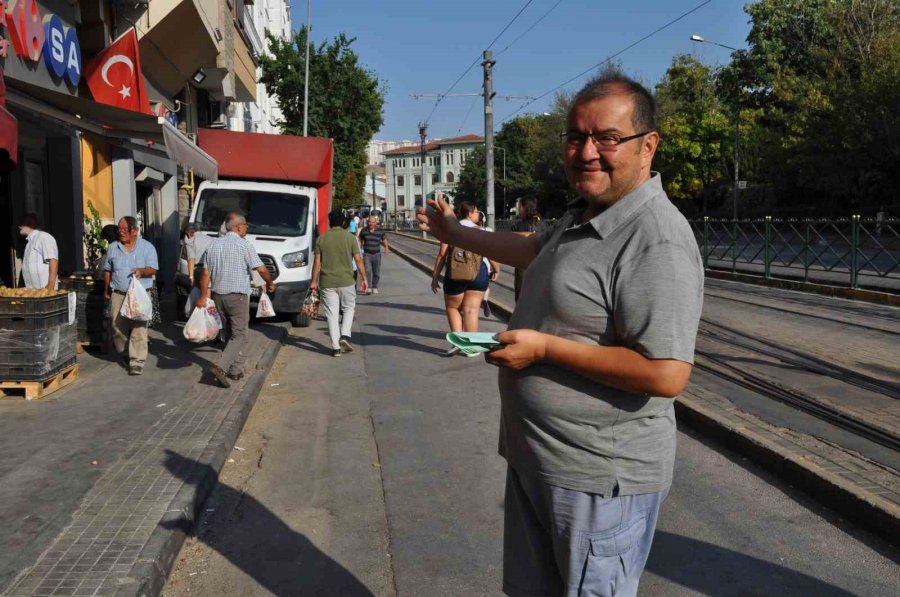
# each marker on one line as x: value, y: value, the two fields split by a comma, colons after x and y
x: 282, y: 184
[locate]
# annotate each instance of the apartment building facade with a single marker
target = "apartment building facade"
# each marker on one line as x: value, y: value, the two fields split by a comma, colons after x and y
x: 444, y: 160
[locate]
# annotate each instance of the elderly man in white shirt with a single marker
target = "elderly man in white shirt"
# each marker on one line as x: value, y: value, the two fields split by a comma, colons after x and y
x: 40, y: 262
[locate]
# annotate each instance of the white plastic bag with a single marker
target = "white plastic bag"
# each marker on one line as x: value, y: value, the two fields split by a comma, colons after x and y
x: 265, y: 308
x: 214, y: 312
x: 137, y: 305
x: 191, y: 301
x: 201, y: 326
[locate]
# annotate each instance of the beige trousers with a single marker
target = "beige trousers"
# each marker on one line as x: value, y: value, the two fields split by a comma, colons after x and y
x: 127, y: 333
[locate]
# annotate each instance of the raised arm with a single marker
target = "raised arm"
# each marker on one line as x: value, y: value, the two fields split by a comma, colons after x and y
x: 506, y: 247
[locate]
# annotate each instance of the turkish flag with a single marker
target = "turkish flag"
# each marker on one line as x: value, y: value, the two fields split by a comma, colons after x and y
x: 114, y: 75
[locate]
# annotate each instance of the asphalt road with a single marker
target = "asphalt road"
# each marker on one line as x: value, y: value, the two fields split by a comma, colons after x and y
x: 377, y: 473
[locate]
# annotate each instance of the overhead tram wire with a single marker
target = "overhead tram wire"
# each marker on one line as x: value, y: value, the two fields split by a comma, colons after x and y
x: 466, y: 117
x: 527, y: 31
x: 477, y: 61
x: 607, y: 59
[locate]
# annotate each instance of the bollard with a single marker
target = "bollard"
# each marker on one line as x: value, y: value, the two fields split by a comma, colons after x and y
x: 854, y: 251
x: 705, y: 242
x: 767, y: 256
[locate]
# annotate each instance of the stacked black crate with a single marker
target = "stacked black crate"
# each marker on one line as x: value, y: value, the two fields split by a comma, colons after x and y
x: 36, y: 340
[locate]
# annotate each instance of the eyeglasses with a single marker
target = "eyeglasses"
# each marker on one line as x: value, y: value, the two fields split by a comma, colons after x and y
x: 602, y: 141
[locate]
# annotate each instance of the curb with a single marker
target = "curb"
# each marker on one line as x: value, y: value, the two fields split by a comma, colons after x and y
x: 857, y: 294
x: 151, y: 572
x: 864, y: 508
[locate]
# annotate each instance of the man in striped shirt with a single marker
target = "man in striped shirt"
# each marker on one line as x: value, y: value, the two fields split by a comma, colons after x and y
x: 227, y: 264
x: 372, y: 239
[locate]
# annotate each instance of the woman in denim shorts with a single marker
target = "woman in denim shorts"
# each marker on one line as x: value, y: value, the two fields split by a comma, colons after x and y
x: 462, y: 299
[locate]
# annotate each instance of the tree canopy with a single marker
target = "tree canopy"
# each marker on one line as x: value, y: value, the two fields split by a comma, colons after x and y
x: 346, y: 102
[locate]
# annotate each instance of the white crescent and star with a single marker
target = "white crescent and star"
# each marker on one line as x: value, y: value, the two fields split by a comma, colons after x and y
x: 125, y: 92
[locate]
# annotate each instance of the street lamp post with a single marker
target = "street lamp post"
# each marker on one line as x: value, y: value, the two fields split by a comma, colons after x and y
x: 737, y: 129
x: 306, y: 76
x: 504, y: 179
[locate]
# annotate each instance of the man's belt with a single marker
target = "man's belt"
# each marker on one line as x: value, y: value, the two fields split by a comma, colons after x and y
x: 120, y: 292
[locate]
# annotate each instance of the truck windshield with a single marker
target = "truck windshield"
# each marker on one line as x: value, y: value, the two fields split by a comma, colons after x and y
x: 280, y: 214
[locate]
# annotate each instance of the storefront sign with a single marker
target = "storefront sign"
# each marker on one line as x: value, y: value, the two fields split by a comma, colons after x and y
x: 33, y: 36
x: 26, y: 30
x: 62, y: 52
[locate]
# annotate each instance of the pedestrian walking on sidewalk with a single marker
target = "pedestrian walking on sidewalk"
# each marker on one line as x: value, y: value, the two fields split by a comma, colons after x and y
x: 227, y: 264
x: 493, y: 268
x: 332, y: 276
x: 372, y: 239
x: 601, y: 340
x: 130, y: 257
x: 466, y: 278
x: 40, y: 261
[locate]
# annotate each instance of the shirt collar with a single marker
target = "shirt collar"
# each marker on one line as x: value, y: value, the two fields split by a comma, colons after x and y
x: 32, y: 235
x: 233, y: 233
x: 606, y: 222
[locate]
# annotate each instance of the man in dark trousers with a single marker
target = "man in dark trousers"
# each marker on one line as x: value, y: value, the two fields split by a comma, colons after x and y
x: 373, y: 238
x: 227, y: 265
x: 601, y: 340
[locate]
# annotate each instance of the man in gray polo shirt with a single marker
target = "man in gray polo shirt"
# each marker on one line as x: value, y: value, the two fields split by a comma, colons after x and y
x: 601, y: 340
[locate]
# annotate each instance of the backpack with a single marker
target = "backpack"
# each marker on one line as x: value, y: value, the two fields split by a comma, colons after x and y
x: 462, y: 265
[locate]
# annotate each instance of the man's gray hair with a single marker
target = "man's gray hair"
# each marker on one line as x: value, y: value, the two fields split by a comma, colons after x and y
x: 234, y: 222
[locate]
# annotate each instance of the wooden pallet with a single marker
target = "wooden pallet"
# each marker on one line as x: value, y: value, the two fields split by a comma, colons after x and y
x: 35, y: 390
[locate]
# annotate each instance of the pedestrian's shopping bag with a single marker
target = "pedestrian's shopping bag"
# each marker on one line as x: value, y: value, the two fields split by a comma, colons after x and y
x: 191, y: 301
x: 311, y: 304
x: 214, y: 312
x: 265, y: 308
x: 137, y: 306
x: 201, y: 326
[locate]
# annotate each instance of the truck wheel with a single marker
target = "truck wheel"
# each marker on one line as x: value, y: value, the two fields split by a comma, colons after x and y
x: 300, y: 320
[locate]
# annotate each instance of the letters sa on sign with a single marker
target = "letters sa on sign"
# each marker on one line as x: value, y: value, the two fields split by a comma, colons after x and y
x: 33, y: 36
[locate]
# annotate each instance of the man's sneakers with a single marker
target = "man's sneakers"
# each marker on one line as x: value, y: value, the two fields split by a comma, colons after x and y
x: 345, y: 344
x: 235, y: 376
x: 136, y: 370
x: 336, y: 352
x: 374, y: 291
x: 220, y: 376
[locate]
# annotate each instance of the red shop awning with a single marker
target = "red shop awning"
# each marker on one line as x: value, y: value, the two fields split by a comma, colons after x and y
x: 9, y: 132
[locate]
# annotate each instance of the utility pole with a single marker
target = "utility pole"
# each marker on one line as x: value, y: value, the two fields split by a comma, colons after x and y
x: 374, y: 196
x: 488, y: 65
x: 306, y: 77
x: 423, y: 133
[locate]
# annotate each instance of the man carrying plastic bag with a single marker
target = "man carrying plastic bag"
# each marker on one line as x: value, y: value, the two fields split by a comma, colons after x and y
x: 131, y: 260
x: 137, y: 305
x: 227, y: 264
x: 203, y: 325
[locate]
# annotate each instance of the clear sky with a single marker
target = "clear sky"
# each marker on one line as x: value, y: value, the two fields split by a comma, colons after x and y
x: 423, y: 46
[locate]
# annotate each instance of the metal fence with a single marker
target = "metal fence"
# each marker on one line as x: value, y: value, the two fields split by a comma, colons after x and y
x: 855, y: 252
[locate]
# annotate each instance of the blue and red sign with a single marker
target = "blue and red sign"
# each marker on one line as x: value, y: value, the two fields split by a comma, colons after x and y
x: 32, y: 36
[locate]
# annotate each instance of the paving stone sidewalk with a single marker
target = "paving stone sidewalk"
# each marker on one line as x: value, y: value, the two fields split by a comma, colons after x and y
x: 97, y: 480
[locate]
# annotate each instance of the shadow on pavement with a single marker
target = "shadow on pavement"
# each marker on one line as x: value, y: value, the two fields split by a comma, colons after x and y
x: 261, y: 545
x: 709, y: 569
x: 405, y: 307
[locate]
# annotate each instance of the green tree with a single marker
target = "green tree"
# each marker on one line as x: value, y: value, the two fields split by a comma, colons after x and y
x: 346, y: 102
x: 695, y: 132
x: 822, y: 81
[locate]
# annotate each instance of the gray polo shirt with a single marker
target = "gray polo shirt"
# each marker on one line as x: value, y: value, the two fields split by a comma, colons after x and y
x: 632, y: 276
